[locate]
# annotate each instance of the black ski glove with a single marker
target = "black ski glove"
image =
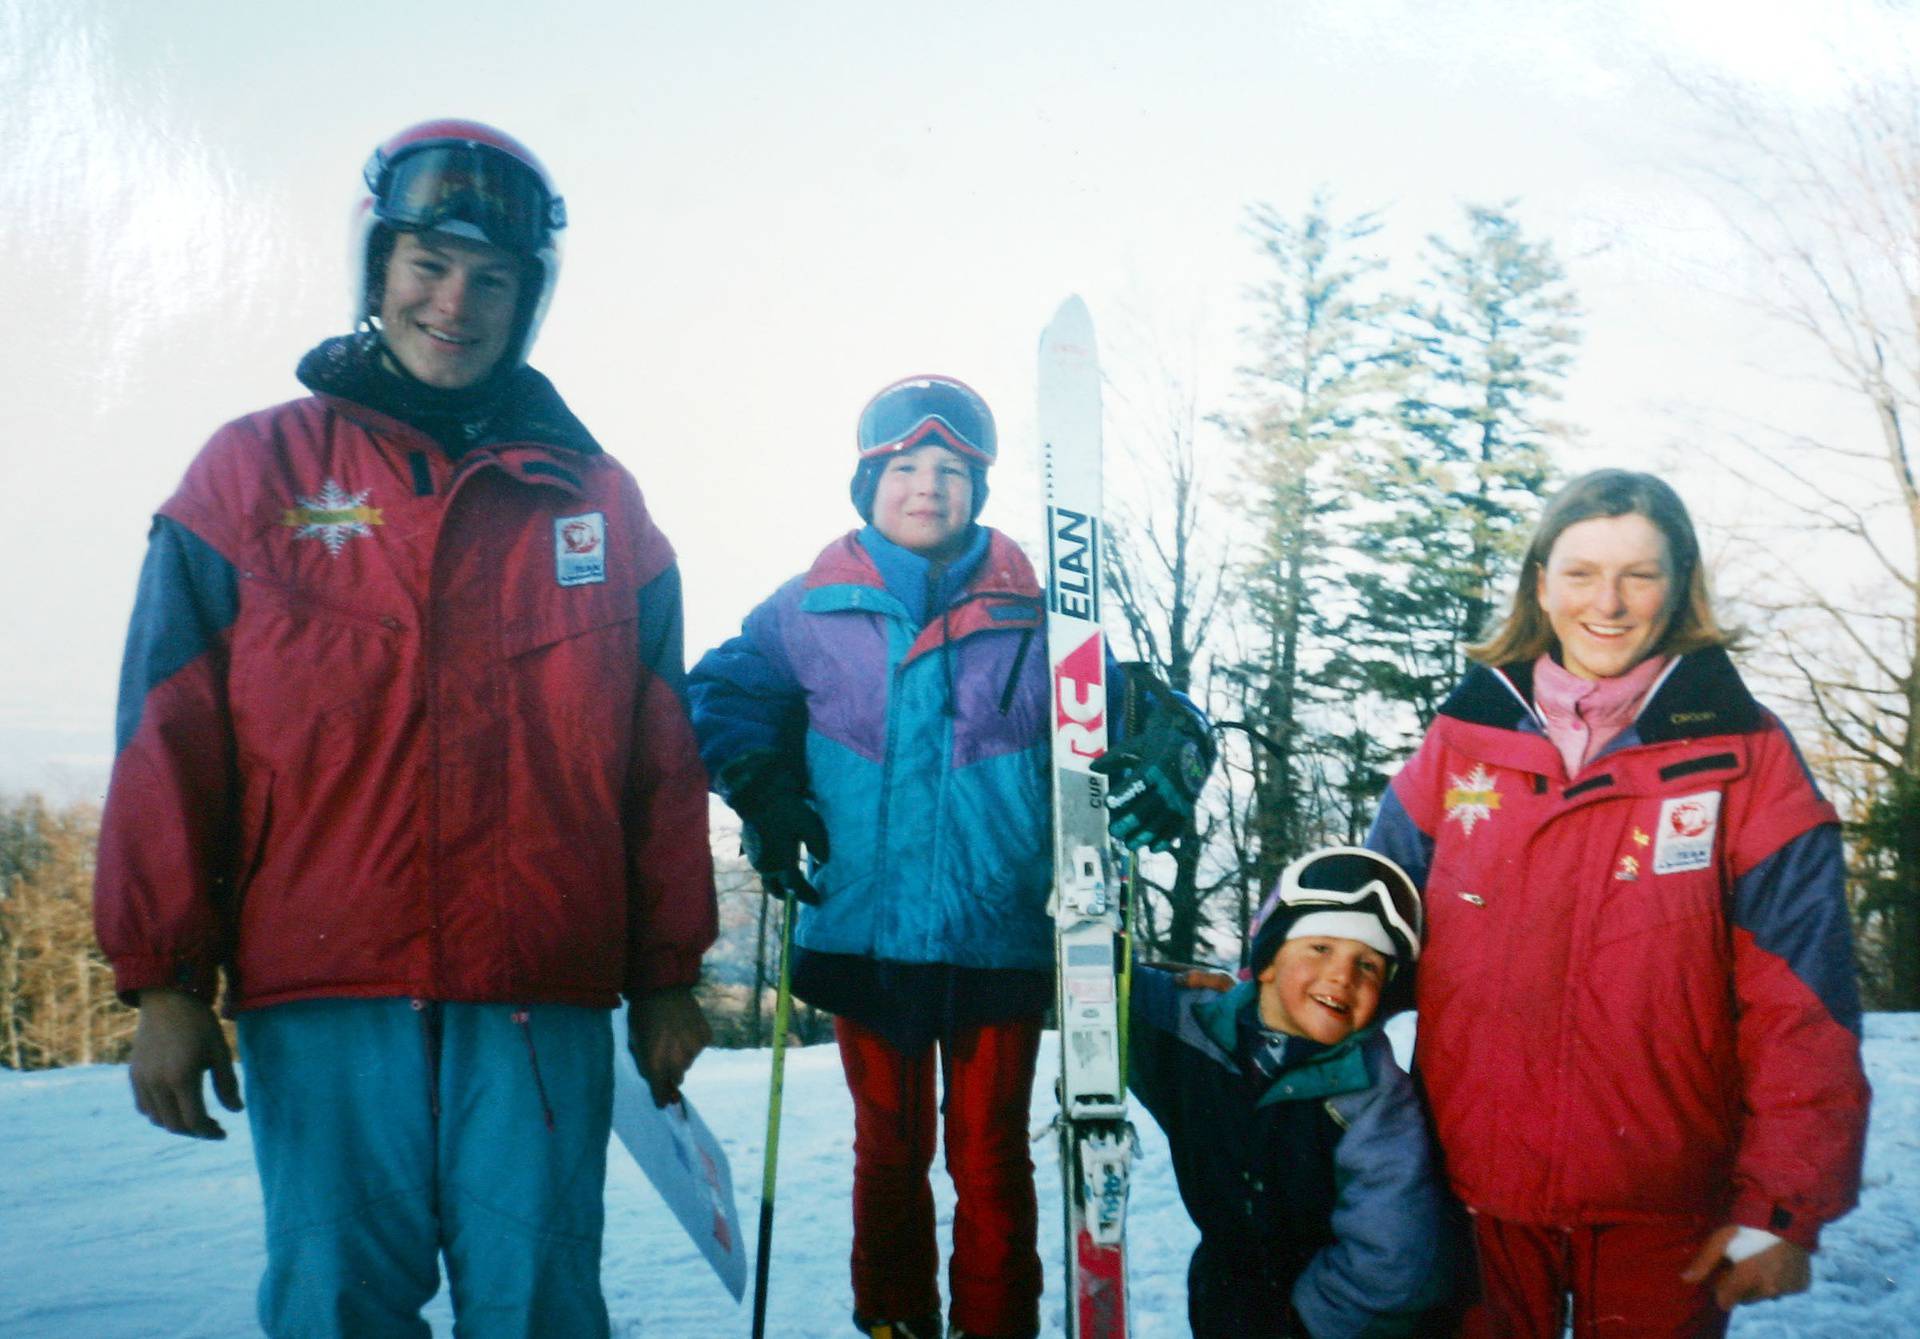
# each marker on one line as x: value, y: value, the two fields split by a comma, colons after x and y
x: 1155, y: 777
x: 775, y: 820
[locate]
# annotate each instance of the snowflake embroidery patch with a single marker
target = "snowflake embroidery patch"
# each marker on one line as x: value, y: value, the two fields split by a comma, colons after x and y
x: 333, y: 516
x: 1472, y: 797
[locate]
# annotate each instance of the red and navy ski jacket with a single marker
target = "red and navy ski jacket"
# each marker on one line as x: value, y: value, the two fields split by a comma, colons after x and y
x: 396, y: 725
x: 1637, y: 998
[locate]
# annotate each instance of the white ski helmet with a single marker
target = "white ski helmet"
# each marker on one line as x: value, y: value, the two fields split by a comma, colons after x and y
x: 469, y: 180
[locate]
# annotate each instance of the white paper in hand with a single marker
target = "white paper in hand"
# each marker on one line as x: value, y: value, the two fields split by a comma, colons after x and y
x: 684, y: 1161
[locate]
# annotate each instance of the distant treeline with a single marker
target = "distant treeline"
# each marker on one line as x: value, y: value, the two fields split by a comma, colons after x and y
x: 57, y: 1004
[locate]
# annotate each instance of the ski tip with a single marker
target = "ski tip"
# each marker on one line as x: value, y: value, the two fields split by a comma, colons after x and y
x: 1072, y: 324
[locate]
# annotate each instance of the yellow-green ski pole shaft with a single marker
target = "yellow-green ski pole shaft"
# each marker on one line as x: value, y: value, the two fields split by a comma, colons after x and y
x: 782, y: 1001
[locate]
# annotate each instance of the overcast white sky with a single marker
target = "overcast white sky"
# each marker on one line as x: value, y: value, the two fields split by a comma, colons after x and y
x: 779, y: 207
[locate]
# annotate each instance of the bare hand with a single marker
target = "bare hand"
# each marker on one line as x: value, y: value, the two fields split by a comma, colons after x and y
x: 179, y: 1040
x: 1778, y: 1271
x: 665, y: 1031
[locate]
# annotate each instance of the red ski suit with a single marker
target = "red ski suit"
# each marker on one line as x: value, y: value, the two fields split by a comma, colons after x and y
x: 396, y: 725
x: 1636, y: 1000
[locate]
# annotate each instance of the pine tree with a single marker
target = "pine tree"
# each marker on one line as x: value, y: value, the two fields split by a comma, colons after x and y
x: 1455, y: 492
x: 1321, y: 387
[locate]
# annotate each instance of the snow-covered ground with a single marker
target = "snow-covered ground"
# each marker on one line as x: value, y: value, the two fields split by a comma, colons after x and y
x: 111, y: 1228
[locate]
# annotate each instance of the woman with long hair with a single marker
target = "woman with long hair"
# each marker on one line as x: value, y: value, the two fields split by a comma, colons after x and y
x: 1638, y: 1018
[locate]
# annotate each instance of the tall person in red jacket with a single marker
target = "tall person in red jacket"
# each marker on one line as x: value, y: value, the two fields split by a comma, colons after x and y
x: 1639, y: 1023
x: 403, y: 754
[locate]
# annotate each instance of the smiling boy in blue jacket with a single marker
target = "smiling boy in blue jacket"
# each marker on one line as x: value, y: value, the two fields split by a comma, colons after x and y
x: 1298, y: 1143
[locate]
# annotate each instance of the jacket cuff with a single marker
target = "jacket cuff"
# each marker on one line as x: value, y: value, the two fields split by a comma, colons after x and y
x: 1753, y: 1210
x: 136, y: 973
x: 741, y: 775
x: 661, y: 969
x: 1748, y: 1242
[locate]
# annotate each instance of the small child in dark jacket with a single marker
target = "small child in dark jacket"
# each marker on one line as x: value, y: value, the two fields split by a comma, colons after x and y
x: 1299, y: 1145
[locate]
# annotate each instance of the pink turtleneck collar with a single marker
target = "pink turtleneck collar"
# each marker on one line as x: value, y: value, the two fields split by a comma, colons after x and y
x: 1583, y: 715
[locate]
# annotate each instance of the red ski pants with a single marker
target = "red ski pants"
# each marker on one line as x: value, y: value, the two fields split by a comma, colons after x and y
x: 987, y: 1073
x: 1623, y: 1278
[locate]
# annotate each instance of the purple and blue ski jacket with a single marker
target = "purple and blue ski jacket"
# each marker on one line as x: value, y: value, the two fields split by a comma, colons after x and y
x: 925, y: 742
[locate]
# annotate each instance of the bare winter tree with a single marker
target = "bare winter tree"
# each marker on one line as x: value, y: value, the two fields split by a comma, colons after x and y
x: 738, y: 977
x: 56, y: 990
x: 1827, y: 204
x: 1167, y: 575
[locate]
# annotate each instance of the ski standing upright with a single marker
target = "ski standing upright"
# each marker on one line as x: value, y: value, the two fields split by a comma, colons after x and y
x: 1096, y: 1141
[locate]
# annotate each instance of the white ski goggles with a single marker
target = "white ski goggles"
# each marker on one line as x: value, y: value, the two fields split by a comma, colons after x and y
x: 1352, y: 879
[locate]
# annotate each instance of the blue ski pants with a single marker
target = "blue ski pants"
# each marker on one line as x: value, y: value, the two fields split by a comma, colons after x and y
x: 390, y: 1133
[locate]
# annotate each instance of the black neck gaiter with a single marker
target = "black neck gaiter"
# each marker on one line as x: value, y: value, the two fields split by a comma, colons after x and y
x: 358, y: 368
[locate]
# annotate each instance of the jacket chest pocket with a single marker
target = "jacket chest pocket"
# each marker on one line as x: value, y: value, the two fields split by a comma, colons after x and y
x: 572, y: 665
x: 1471, y: 890
x: 1482, y: 894
x: 1665, y: 868
x: 306, y: 665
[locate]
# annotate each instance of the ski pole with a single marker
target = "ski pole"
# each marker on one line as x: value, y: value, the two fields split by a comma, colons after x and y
x: 781, y: 1003
x: 1130, y: 711
x: 760, y: 968
x: 1129, y: 907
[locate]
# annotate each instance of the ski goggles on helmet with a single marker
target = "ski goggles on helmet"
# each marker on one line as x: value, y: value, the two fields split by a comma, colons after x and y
x: 470, y: 190
x: 1351, y: 879
x: 928, y: 410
